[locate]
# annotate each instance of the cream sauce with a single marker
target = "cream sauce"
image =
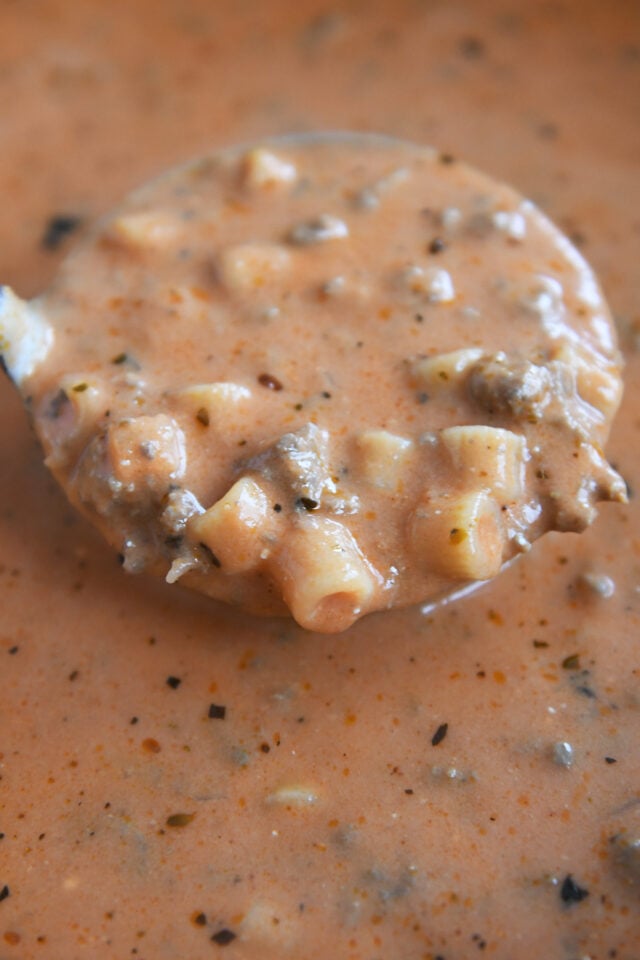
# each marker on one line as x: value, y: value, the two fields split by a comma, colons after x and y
x: 178, y: 779
x: 331, y: 374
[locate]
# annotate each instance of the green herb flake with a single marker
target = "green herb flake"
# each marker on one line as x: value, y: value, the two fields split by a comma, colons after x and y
x: 571, y: 662
x: 180, y: 819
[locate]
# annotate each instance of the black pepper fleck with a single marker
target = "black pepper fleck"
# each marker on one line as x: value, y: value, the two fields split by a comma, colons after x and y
x: 440, y: 734
x: 610, y: 760
x: 472, y: 48
x: 224, y: 937
x: 277, y: 507
x: 4, y: 893
x: 174, y: 682
x: 437, y: 245
x: 13, y: 650
x: 570, y: 892
x: 216, y: 712
x: 58, y: 228
x: 307, y: 503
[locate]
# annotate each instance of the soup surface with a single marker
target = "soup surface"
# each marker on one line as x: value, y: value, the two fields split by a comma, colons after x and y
x: 180, y: 779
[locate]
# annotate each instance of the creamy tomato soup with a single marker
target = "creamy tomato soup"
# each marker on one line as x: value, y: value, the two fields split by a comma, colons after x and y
x: 181, y: 779
x: 332, y: 374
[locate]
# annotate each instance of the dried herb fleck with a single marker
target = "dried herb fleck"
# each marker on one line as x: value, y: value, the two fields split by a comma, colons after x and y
x: 224, y: 937
x: 440, y: 734
x: 180, y: 819
x: 216, y: 712
x: 570, y: 892
x: 571, y: 662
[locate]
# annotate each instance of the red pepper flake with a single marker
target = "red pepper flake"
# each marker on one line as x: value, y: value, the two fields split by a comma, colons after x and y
x: 216, y: 712
x: 180, y: 819
x: 224, y: 937
x: 440, y: 734
x: 174, y: 682
x: 12, y: 938
x: 151, y: 745
x: 4, y: 893
x: 570, y: 892
x: 269, y: 381
x: 572, y: 662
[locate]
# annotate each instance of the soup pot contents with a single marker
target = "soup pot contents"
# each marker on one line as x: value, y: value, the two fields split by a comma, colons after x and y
x: 455, y: 779
x: 326, y: 374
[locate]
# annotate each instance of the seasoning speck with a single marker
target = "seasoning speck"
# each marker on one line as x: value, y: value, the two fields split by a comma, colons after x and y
x: 307, y: 503
x: 269, y: 381
x: 174, y: 682
x: 570, y: 892
x: 180, y: 819
x: 571, y: 662
x: 610, y: 760
x: 224, y: 937
x: 200, y: 919
x: 437, y: 245
x: 440, y: 734
x: 4, y: 893
x: 58, y: 229
x: 216, y: 712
